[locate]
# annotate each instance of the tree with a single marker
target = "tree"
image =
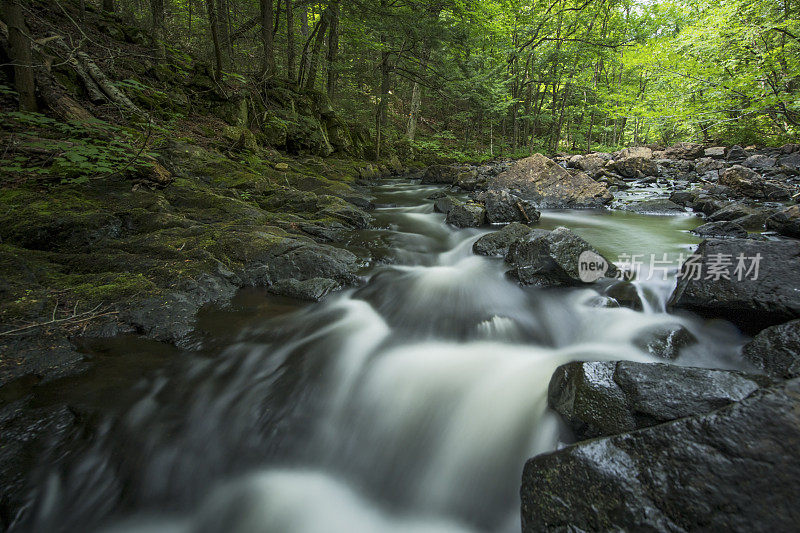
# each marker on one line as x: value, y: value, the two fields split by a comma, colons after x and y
x: 20, y: 54
x: 157, y: 29
x: 268, y: 64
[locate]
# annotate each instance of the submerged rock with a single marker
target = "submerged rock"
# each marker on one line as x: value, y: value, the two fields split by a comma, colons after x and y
x: 734, y: 469
x: 776, y: 350
x: 497, y: 243
x: 313, y: 289
x: 548, y: 185
x: 752, y: 302
x: 554, y: 259
x: 665, y: 341
x: 599, y: 399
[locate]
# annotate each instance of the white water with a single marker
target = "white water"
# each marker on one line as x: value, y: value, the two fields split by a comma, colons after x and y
x: 407, y: 405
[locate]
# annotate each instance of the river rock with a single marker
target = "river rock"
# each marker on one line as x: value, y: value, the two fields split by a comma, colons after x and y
x: 734, y: 469
x: 746, y: 182
x: 760, y: 161
x: 636, y: 167
x: 786, y: 222
x: 548, y: 185
x: 444, y: 203
x: 790, y: 164
x: 655, y: 207
x: 731, y: 212
x: 684, y: 150
x: 497, y: 243
x: 553, y: 259
x: 467, y: 215
x: 776, y: 350
x: 311, y: 289
x: 503, y: 207
x: 770, y: 299
x: 737, y: 153
x: 588, y: 163
x: 717, y: 152
x: 445, y: 174
x: 722, y: 229
x: 665, y: 341
x: 469, y: 180
x: 599, y: 399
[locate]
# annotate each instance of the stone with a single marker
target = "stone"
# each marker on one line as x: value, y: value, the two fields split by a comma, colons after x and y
x: 642, y: 152
x: 737, y: 153
x: 717, y: 152
x: 786, y: 222
x: 283, y: 167
x: 313, y: 289
x: 548, y: 185
x: 442, y: 174
x: 746, y: 182
x: 665, y: 341
x: 684, y: 150
x: 734, y: 469
x: 769, y: 299
x: 444, y: 204
x: 655, y: 207
x: 636, y: 167
x: 721, y: 229
x: 760, y: 161
x: 497, y: 243
x: 503, y: 207
x: 598, y: 399
x: 731, y: 212
x: 553, y: 259
x: 468, y: 215
x: 776, y: 350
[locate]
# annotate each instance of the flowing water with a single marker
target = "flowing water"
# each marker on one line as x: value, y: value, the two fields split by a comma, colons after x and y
x: 409, y: 404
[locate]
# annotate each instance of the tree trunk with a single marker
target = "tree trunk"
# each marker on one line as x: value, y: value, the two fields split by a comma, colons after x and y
x: 290, y: 60
x: 214, y: 25
x: 108, y: 6
x: 223, y: 22
x: 322, y: 28
x: 20, y: 54
x: 268, y: 65
x: 333, y: 47
x: 158, y: 34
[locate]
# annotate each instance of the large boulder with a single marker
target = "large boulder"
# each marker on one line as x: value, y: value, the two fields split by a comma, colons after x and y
x: 548, y: 185
x: 715, y: 282
x: 737, y: 153
x: 503, y: 207
x: 655, y: 207
x: 776, y: 350
x: 598, y: 399
x: 555, y: 259
x: 735, y: 469
x: 444, y: 174
x: 590, y: 164
x: 717, y: 152
x: 467, y: 215
x: 731, y: 212
x: 684, y: 151
x: 497, y: 243
x: 786, y: 222
x: 748, y: 183
x: 636, y: 167
x: 636, y: 152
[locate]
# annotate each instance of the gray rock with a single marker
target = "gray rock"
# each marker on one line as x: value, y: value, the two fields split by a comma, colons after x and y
x: 755, y: 221
x: 503, y: 207
x: 684, y: 150
x: 721, y: 229
x: 444, y: 204
x: 497, y: 243
x: 776, y: 350
x: 665, y: 341
x: 734, y: 469
x: 552, y: 259
x: 760, y: 161
x: 469, y: 215
x: 737, y: 153
x: 445, y: 174
x: 786, y: 222
x: 746, y: 182
x: 636, y: 151
x: 636, y: 167
x: 717, y: 152
x: 313, y: 289
x: 731, y: 212
x: 655, y: 207
x: 790, y: 164
x: 770, y: 299
x: 599, y: 399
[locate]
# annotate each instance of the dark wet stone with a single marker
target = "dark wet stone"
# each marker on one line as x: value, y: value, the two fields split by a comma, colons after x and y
x: 503, y: 207
x: 722, y: 229
x: 655, y: 207
x: 469, y: 215
x: 786, y: 222
x: 311, y: 289
x: 497, y: 243
x: 776, y: 350
x: 665, y: 341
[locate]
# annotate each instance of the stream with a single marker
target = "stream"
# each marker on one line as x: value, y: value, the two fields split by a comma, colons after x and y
x: 408, y: 404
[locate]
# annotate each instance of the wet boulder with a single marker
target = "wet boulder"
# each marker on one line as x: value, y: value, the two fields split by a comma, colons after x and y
x: 548, y: 185
x: 753, y: 284
x: 790, y: 164
x: 313, y: 289
x: 503, y: 207
x: 469, y: 180
x: 721, y: 229
x: 497, y: 243
x: 467, y: 215
x: 665, y: 341
x: 734, y: 469
x: 760, y: 161
x: 786, y: 222
x: 731, y: 212
x: 558, y: 258
x: 776, y: 350
x: 444, y: 203
x: 655, y: 207
x: 598, y: 399
x: 748, y: 183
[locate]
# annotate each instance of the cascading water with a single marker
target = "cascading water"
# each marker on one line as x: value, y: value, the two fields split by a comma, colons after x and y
x: 409, y: 404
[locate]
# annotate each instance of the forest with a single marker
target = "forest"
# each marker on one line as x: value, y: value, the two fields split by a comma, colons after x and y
x: 399, y: 266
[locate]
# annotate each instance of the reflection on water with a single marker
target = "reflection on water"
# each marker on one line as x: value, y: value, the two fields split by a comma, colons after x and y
x: 407, y: 404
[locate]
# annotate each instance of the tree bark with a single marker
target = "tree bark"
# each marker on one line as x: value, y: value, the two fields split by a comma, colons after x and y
x: 268, y: 64
x: 333, y: 47
x: 322, y: 28
x: 223, y: 23
x: 158, y: 34
x: 214, y: 25
x: 20, y: 54
x: 290, y: 58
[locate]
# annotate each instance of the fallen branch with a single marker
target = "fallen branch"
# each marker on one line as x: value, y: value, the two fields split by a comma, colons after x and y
x: 78, y: 318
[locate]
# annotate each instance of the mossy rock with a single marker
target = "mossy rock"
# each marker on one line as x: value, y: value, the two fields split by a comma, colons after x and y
x: 233, y: 111
x: 275, y: 131
x: 242, y: 138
